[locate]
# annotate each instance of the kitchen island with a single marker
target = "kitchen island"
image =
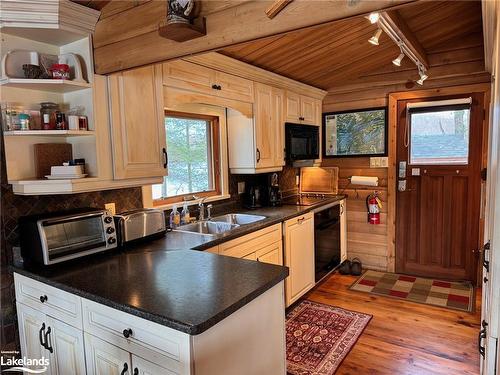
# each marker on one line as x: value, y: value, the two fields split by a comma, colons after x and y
x: 154, y: 312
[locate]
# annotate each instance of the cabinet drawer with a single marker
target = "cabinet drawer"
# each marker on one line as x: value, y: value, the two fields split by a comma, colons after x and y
x: 149, y: 340
x: 57, y: 303
x: 243, y: 246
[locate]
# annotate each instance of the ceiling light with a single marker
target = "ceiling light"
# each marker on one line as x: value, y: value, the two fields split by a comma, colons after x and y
x: 423, y: 76
x: 374, y: 39
x: 397, y: 60
x: 373, y: 17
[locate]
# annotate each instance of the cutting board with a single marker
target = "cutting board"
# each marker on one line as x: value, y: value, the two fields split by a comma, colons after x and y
x: 319, y: 180
x: 50, y: 154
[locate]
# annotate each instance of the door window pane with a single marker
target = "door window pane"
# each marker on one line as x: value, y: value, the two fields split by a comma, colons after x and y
x: 190, y: 166
x: 440, y: 136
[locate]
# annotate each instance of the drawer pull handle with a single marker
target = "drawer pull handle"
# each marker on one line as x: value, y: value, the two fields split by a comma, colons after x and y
x: 301, y: 220
x: 43, y: 298
x: 125, y: 369
x: 40, y: 335
x: 127, y: 333
x: 47, y: 346
x: 136, y: 371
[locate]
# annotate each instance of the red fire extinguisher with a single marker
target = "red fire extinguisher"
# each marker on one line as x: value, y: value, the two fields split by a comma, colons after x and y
x: 373, y: 204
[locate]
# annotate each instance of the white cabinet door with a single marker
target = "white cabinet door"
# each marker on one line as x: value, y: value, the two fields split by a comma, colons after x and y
x: 66, y: 342
x: 343, y: 231
x: 32, y: 329
x: 299, y: 256
x: 137, y: 123
x: 105, y: 359
x: 143, y: 367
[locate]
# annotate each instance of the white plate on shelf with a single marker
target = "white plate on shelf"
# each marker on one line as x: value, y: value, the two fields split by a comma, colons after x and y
x: 66, y: 176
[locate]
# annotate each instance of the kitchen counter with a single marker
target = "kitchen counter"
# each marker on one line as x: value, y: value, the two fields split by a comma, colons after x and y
x: 273, y: 216
x: 189, y: 291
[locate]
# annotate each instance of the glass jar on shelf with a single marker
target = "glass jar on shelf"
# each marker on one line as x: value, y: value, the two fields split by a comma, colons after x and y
x: 48, y: 112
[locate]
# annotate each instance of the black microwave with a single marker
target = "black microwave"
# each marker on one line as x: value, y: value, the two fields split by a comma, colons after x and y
x: 301, y: 142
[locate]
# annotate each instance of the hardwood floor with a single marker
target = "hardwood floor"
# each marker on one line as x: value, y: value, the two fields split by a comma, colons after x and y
x: 404, y: 337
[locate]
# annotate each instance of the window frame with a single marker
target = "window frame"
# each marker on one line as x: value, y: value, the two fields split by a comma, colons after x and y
x: 215, y: 151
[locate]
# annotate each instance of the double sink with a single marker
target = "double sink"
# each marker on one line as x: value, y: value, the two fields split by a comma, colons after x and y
x: 220, y: 224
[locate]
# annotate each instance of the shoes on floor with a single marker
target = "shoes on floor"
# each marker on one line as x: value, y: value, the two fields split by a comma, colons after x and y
x: 345, y: 268
x: 356, y: 267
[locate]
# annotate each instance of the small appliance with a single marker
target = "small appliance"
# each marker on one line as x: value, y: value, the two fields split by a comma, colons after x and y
x: 139, y: 225
x: 274, y: 192
x: 301, y: 142
x: 253, y: 197
x: 56, y: 237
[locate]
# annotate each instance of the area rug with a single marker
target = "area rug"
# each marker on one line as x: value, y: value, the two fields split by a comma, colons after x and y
x: 449, y: 294
x: 318, y: 337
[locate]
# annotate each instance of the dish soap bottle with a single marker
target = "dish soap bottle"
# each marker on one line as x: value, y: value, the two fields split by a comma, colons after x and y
x: 175, y: 218
x: 185, y: 216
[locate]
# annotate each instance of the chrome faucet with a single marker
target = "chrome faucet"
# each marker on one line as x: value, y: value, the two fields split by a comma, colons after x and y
x: 209, y: 212
x: 201, y: 206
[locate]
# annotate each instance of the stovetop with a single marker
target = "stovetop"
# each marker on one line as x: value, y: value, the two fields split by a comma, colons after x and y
x: 305, y: 199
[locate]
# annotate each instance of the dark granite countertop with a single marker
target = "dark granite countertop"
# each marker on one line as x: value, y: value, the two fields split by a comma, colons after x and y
x: 274, y: 215
x: 189, y: 291
x: 160, y: 281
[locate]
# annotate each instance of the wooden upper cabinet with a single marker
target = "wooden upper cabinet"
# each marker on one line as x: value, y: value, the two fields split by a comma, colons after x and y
x: 137, y: 123
x: 265, y: 129
x: 278, y: 121
x: 197, y: 78
x: 233, y: 87
x: 292, y: 107
x: 301, y: 109
x: 308, y: 110
x: 185, y: 75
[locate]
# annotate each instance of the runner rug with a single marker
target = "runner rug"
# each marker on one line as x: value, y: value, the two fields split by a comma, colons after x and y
x: 449, y: 294
x: 319, y: 337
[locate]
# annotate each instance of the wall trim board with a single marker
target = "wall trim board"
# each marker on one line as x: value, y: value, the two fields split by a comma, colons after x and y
x: 392, y: 120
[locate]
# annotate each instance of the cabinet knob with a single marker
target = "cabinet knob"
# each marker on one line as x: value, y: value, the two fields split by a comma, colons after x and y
x: 127, y: 333
x: 215, y: 87
x: 136, y: 371
x: 43, y: 298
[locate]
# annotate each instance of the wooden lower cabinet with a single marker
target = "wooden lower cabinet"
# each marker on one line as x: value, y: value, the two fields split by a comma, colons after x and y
x: 299, y: 256
x: 44, y: 336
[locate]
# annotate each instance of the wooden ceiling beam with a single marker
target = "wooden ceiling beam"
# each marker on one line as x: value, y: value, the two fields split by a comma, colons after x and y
x: 277, y: 7
x: 398, y: 24
x: 245, y: 22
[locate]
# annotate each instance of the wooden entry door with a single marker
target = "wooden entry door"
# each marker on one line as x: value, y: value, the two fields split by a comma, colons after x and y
x: 437, y: 214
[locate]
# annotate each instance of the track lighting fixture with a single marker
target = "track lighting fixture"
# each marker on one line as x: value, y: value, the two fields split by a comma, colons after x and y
x: 397, y: 60
x: 423, y: 76
x: 374, y: 39
x: 373, y: 17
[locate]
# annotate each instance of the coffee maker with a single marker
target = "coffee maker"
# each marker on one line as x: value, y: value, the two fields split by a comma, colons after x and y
x: 254, y: 196
x: 274, y: 192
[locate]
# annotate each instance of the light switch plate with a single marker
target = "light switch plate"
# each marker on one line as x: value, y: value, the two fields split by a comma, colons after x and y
x: 379, y: 162
x: 241, y: 187
x: 111, y: 208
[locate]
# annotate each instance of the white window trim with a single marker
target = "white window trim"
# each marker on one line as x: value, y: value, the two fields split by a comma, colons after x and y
x: 202, y: 109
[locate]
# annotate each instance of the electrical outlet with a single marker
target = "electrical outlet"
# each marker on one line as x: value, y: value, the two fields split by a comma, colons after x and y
x: 384, y: 162
x: 241, y: 187
x: 111, y: 208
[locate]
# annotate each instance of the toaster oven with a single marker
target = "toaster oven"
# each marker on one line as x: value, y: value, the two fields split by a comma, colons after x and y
x: 57, y: 237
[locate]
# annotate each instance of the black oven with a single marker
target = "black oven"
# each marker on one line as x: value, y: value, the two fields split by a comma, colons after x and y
x: 301, y: 142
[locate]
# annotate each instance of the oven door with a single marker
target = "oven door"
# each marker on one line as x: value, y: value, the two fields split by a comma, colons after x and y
x: 302, y: 142
x: 71, y: 237
x: 326, y: 240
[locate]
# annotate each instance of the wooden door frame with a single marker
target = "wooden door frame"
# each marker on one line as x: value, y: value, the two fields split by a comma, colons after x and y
x: 392, y: 151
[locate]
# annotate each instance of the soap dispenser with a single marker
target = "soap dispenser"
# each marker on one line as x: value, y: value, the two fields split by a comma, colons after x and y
x: 185, y: 216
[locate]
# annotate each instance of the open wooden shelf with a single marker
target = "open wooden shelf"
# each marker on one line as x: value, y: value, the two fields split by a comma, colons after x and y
x: 52, y: 85
x: 48, y: 133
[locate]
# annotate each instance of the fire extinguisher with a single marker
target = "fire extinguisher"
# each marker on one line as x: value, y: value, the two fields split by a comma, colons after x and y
x: 373, y: 204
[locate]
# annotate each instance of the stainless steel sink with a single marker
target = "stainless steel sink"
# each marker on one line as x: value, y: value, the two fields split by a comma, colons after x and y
x: 208, y: 227
x: 240, y: 219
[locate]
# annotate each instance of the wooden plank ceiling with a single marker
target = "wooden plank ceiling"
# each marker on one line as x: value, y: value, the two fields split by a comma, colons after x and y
x: 94, y: 4
x: 338, y: 55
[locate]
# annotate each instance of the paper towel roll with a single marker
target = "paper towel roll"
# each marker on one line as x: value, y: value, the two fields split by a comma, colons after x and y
x: 364, y: 180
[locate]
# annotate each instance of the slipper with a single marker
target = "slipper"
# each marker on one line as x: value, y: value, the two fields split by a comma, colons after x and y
x: 356, y: 267
x: 345, y: 268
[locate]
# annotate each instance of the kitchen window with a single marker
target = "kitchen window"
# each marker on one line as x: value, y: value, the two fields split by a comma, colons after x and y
x: 193, y: 158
